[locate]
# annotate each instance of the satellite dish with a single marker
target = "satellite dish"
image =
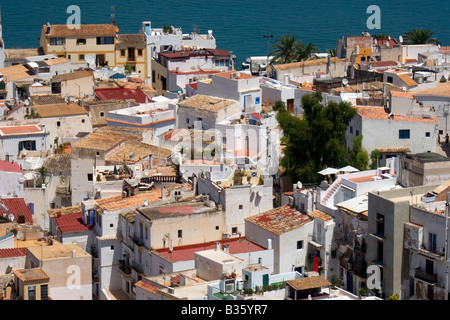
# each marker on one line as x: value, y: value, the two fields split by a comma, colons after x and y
x: 445, y: 74
x: 299, y: 185
x: 26, y: 102
x: 400, y: 39
x: 389, y: 37
x: 90, y: 60
x: 344, y: 81
x: 19, y: 235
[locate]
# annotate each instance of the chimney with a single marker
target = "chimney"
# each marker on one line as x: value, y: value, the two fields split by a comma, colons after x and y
x: 216, y: 246
x: 269, y: 244
x: 150, y: 161
x: 74, y: 253
x: 163, y: 193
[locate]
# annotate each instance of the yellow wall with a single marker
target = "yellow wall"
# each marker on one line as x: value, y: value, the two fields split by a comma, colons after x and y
x: 363, y: 52
x: 139, y: 63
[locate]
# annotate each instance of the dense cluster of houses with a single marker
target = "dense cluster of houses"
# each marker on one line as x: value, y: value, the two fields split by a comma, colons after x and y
x: 146, y: 167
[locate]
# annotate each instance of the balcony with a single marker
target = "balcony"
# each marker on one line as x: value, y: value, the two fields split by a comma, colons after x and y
x: 430, y: 278
x: 137, y: 240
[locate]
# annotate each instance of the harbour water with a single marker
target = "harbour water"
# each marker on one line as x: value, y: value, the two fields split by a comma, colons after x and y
x: 239, y: 26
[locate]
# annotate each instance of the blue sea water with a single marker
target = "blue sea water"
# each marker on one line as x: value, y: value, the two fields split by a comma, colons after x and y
x: 238, y: 26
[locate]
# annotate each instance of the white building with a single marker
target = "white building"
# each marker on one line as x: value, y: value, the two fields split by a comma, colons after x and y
x: 15, y: 139
x: 381, y: 129
x: 285, y: 230
x: 12, y: 178
x: 234, y: 85
x: 171, y: 39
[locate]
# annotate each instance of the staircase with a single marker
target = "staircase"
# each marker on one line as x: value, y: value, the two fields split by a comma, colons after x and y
x: 331, y: 191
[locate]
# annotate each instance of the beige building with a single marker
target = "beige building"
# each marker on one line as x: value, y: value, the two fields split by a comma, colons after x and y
x: 131, y: 52
x: 31, y: 284
x: 78, y: 84
x: 68, y: 267
x: 95, y: 40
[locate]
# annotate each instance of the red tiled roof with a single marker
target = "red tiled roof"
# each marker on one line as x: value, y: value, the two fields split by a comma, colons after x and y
x: 122, y: 94
x: 6, y: 166
x: 146, y: 286
x: 193, y: 85
x: 279, y: 220
x: 186, y: 253
x: 70, y: 223
x: 378, y: 113
x: 16, y: 252
x: 227, y: 75
x: 16, y: 206
x: 19, y: 129
x: 256, y: 115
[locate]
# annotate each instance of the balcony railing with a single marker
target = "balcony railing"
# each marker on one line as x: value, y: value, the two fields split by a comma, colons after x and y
x: 430, y: 278
x: 137, y: 240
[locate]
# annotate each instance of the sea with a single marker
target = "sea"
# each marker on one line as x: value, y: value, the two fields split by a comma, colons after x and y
x: 246, y: 28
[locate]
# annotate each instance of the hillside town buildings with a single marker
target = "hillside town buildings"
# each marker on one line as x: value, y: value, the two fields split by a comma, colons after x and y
x: 150, y: 166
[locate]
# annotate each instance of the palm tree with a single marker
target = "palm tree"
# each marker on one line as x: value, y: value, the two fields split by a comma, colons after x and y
x: 285, y: 50
x: 306, y: 52
x: 419, y: 36
x: 331, y: 52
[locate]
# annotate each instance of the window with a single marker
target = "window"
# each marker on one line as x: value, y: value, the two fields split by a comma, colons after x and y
x: 429, y: 267
x: 82, y: 120
x: 299, y: 244
x: 221, y: 63
x: 81, y: 41
x: 122, y: 53
x: 351, y: 129
x: 390, y: 79
x: 44, y: 292
x: 187, y: 120
x: 432, y: 242
x: 153, y: 76
x: 112, y: 247
x: 105, y: 40
x: 240, y: 207
x: 380, y: 224
x: 57, y: 41
x: 28, y: 145
x: 180, y: 234
x: 217, y: 227
x: 32, y: 292
x: 90, y: 176
x: 111, y: 225
x: 139, y: 52
x: 234, y: 230
x: 69, y: 56
x: 427, y: 134
x: 81, y: 57
x: 102, y: 114
x: 146, y: 233
x: 357, y: 132
x: 403, y: 134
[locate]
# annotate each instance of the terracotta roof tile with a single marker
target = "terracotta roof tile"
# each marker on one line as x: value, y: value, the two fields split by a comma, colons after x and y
x: 14, y: 73
x: 309, y: 283
x: 31, y: 274
x: 308, y: 63
x: 52, y: 62
x: 227, y: 75
x: 280, y: 220
x: 378, y: 113
x: 71, y: 222
x: 12, y: 130
x: 6, y: 166
x: 122, y: 93
x: 407, y: 80
x: 59, y: 110
x: 75, y: 75
x: 146, y: 286
x: 16, y: 206
x: 207, y: 103
x: 97, y: 30
x: 320, y: 215
x: 13, y: 252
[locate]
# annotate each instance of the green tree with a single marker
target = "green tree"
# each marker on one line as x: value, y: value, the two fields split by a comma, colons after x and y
x: 304, y: 52
x: 285, y: 50
x: 331, y: 52
x: 317, y: 140
x: 358, y: 156
x: 288, y: 49
x: 374, y: 156
x: 419, y: 36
